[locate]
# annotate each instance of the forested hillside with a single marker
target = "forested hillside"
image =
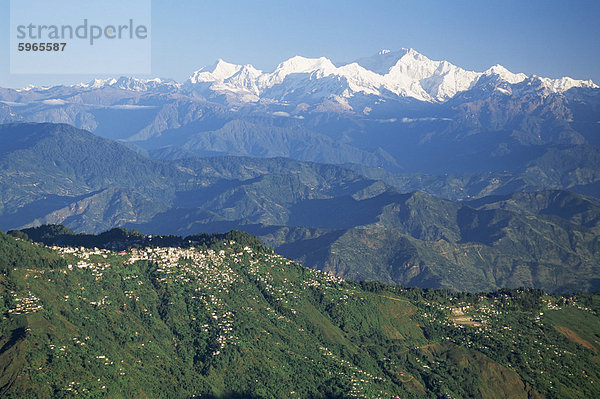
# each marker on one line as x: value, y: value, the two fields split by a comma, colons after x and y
x: 224, y: 316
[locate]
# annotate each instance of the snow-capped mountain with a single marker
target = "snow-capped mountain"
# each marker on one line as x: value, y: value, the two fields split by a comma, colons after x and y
x: 388, y: 86
x: 319, y: 84
x: 130, y: 84
x: 505, y: 75
x: 408, y: 73
x: 396, y: 109
x: 238, y: 82
x: 405, y: 73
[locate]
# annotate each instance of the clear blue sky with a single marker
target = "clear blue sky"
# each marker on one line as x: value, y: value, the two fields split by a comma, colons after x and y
x: 546, y: 37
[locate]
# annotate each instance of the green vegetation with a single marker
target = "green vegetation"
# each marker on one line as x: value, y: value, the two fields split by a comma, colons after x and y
x: 124, y: 239
x: 548, y: 240
x: 224, y: 316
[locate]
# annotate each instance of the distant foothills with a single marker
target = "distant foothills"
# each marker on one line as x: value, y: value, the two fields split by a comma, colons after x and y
x: 328, y: 217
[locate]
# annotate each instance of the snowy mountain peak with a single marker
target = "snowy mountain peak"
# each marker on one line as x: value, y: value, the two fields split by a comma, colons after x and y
x: 382, y: 61
x: 130, y: 84
x: 565, y: 83
x: 414, y: 53
x: 402, y: 73
x: 417, y: 76
x: 247, y: 71
x: 321, y: 67
x: 299, y: 64
x: 505, y: 74
x: 97, y: 83
x: 245, y: 80
x: 32, y: 87
x: 387, y: 75
x: 218, y: 72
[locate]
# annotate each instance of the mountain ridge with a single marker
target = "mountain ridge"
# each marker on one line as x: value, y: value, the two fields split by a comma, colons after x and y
x: 327, y: 216
x: 405, y: 73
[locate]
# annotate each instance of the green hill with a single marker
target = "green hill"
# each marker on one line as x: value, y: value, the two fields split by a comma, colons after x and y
x: 223, y: 316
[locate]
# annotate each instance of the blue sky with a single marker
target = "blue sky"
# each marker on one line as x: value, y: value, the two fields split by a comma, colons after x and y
x: 546, y: 37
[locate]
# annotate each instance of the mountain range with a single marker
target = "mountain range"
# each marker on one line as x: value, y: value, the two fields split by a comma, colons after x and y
x: 396, y: 110
x: 327, y: 216
x: 388, y: 74
x: 394, y: 167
